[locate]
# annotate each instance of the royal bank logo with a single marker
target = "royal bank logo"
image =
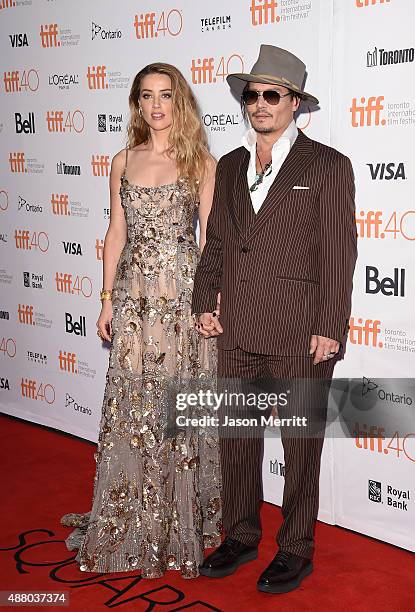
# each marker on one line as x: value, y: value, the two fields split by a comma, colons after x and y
x: 216, y: 24
x: 375, y: 491
x: 110, y: 123
x: 101, y: 33
x: 382, y: 57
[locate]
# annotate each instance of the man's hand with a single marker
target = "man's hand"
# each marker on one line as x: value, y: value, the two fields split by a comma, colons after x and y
x: 323, y: 348
x: 208, y: 324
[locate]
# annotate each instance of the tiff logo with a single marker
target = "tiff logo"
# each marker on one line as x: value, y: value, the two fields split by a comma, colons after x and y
x: 363, y: 3
x: 99, y: 248
x: 63, y: 282
x: 54, y: 120
x: 7, y: 4
x: 67, y: 362
x: 100, y: 165
x: 21, y: 239
x: 28, y: 388
x: 49, y: 35
x: 263, y: 12
x: 365, y: 438
x: 17, y: 162
x: 145, y: 26
x: 60, y: 204
x: 202, y: 71
x: 96, y: 76
x: 362, y: 115
x: 365, y: 333
x: 371, y: 221
x: 11, y: 81
x: 25, y: 314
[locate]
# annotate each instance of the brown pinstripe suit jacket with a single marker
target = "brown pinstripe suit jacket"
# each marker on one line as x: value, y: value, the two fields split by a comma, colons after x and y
x: 286, y: 272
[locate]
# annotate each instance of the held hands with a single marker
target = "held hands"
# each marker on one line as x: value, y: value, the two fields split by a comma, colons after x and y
x: 323, y: 348
x: 207, y: 323
x: 104, y: 324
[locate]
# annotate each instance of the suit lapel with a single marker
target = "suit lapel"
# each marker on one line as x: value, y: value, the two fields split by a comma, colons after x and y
x: 298, y: 159
x: 240, y: 204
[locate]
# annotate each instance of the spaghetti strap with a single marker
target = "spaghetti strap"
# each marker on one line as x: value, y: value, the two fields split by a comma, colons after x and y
x: 126, y: 160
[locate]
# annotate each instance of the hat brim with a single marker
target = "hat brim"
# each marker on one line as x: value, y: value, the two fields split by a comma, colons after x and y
x: 238, y: 81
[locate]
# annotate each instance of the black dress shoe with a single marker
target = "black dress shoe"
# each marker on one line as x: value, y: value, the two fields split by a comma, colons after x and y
x: 225, y: 559
x: 284, y: 573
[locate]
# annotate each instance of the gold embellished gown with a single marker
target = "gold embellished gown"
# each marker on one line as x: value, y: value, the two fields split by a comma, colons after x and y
x: 156, y: 497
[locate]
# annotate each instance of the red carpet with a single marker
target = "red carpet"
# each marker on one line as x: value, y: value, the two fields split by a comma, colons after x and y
x: 46, y: 474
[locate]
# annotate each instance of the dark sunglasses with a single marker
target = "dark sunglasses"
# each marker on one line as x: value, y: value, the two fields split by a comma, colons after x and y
x: 271, y: 96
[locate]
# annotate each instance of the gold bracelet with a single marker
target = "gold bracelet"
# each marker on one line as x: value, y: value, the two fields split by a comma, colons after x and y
x: 105, y: 294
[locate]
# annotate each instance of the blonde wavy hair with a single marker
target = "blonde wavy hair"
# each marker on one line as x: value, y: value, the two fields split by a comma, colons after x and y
x: 188, y: 144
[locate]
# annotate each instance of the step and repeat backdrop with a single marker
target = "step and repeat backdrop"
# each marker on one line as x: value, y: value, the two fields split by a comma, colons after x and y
x: 66, y: 70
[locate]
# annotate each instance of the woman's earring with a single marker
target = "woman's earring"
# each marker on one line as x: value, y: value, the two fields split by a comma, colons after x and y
x: 140, y: 112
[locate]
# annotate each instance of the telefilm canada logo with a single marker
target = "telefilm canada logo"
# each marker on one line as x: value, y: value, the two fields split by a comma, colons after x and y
x: 383, y: 57
x: 216, y: 23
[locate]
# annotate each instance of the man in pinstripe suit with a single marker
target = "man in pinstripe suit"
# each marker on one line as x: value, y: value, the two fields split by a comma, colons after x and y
x: 279, y: 257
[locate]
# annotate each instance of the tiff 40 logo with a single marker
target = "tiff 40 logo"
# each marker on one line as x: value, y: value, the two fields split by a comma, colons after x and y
x: 59, y: 122
x: 151, y: 25
x: 211, y: 70
x: 16, y: 83
x: 370, y: 224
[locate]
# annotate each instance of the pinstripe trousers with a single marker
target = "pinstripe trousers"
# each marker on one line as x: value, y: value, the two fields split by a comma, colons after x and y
x: 241, y: 457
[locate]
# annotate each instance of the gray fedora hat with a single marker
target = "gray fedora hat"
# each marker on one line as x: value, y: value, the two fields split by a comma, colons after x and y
x: 274, y: 66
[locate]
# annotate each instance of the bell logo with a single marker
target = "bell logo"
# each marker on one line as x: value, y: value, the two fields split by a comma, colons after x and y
x: 25, y: 314
x: 60, y: 204
x: 363, y: 3
x: 263, y: 12
x: 387, y: 286
x: 97, y: 77
x: 67, y: 362
x: 362, y: 115
x: 99, y: 248
x: 100, y: 165
x: 26, y: 126
x: 170, y: 24
x: 49, y: 35
x: 17, y: 162
x: 365, y: 332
